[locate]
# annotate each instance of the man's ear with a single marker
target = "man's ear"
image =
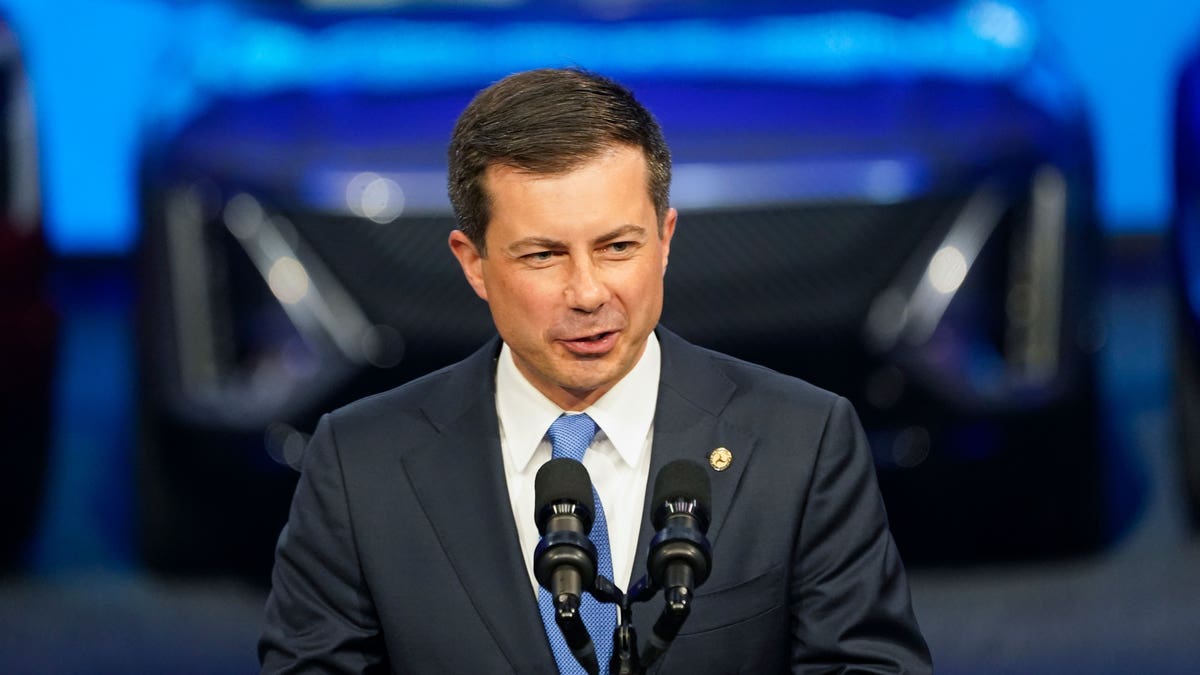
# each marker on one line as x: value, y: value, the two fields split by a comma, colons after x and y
x: 668, y: 231
x: 471, y: 261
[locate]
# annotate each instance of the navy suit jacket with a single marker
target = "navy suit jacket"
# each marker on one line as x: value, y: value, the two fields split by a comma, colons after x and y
x: 401, y: 554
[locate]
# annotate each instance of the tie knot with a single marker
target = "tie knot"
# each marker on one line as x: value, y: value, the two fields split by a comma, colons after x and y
x: 570, y: 436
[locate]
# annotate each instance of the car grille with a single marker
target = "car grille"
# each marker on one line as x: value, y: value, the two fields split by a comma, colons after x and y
x: 806, y: 273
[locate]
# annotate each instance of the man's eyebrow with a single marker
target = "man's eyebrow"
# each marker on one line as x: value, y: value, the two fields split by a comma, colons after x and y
x: 534, y: 242
x: 546, y: 242
x: 622, y: 231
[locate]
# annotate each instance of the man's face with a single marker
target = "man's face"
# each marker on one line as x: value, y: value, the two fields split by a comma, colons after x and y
x: 574, y: 271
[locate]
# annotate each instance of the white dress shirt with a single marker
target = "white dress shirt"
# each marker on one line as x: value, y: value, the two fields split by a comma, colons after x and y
x: 618, y: 459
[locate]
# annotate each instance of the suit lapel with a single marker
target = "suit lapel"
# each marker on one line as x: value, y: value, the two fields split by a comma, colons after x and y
x: 688, y: 424
x: 460, y: 483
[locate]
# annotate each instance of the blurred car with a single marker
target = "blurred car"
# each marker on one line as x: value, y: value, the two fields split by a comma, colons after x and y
x: 906, y: 220
x: 28, y: 325
x: 1185, y: 248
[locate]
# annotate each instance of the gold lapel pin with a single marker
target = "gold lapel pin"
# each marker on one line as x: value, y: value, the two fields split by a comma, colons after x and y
x: 720, y: 459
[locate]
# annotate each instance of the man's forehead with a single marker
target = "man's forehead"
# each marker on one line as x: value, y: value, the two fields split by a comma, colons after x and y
x: 565, y: 166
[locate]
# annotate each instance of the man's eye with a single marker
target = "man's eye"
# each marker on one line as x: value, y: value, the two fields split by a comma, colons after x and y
x: 620, y: 246
x: 539, y: 256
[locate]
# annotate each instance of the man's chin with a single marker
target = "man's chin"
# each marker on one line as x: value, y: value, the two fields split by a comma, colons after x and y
x: 589, y: 385
x: 577, y: 380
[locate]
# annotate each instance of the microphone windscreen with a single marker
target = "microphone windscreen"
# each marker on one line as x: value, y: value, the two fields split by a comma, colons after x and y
x: 683, y: 479
x: 559, y: 480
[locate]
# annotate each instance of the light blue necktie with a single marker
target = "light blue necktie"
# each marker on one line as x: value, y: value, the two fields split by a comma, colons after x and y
x: 570, y: 436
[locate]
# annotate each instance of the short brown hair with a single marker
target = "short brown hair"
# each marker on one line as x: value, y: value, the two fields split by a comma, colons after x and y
x: 548, y: 121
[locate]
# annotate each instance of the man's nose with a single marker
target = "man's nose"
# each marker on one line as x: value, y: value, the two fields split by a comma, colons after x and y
x: 586, y: 290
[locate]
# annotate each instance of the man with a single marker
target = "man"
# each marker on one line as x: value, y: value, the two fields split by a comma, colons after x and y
x: 410, y: 542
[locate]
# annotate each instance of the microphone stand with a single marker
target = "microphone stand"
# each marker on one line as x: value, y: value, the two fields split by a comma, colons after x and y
x: 625, y: 657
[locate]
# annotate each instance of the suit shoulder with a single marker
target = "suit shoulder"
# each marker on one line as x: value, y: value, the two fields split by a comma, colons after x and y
x: 407, y: 395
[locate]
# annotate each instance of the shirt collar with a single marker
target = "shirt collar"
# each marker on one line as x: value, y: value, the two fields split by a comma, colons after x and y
x: 625, y: 413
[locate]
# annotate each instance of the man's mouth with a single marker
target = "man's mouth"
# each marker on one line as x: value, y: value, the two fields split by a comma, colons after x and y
x: 591, y: 345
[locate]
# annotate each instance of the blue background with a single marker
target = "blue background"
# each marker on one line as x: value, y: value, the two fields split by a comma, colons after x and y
x: 100, y: 67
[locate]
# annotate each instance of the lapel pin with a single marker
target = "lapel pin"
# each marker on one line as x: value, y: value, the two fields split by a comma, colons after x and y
x: 720, y: 459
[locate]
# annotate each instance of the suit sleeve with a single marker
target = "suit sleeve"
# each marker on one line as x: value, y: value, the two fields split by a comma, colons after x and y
x: 850, y: 603
x: 319, y: 615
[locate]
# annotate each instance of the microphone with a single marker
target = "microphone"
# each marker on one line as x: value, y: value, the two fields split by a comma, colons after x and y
x: 564, y: 561
x: 680, y: 556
